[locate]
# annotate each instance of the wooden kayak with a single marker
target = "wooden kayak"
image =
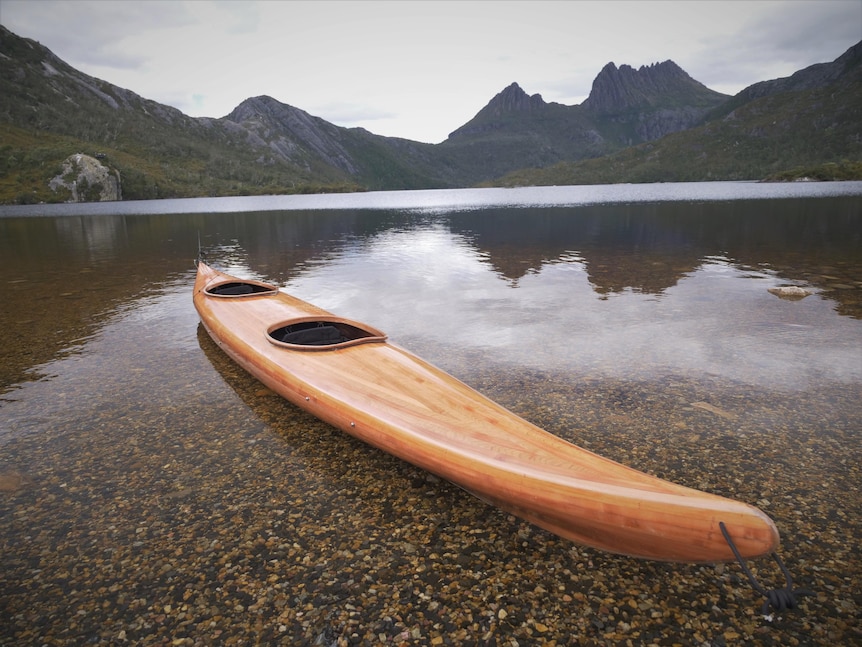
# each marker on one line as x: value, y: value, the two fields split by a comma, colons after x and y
x: 347, y: 374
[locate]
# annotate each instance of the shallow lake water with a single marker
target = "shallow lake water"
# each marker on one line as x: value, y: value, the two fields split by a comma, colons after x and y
x: 153, y: 492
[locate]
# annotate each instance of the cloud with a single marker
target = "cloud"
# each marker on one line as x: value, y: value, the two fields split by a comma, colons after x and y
x: 93, y: 32
x: 244, y: 16
x: 776, y: 40
x: 344, y: 113
x: 820, y: 31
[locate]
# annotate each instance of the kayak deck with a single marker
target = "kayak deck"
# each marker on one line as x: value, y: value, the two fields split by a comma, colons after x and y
x: 349, y: 375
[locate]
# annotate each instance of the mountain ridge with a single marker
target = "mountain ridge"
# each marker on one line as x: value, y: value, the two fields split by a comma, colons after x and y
x: 625, y: 107
x: 266, y: 146
x: 807, y: 125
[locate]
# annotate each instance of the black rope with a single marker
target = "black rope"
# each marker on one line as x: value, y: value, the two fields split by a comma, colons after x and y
x: 778, y: 599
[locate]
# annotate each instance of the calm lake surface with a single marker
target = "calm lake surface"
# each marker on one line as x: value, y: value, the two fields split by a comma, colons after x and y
x: 152, y: 492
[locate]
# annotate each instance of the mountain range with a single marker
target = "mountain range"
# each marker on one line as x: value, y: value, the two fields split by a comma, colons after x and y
x: 654, y: 123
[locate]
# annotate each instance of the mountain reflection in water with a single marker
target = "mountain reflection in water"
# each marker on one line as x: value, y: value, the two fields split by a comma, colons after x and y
x: 67, y: 275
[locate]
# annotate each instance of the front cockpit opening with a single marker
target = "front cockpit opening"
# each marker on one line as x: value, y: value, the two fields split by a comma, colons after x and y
x: 320, y: 334
x: 241, y: 289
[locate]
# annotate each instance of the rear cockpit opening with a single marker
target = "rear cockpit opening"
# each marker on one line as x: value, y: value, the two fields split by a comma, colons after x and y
x: 241, y: 289
x: 322, y: 334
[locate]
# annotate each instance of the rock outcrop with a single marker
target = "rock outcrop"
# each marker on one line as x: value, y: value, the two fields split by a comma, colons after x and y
x: 86, y: 179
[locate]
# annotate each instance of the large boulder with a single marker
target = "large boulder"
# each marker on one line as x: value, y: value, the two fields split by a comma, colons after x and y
x: 86, y: 179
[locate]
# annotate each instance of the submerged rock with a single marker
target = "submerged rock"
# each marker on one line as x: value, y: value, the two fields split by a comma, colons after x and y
x: 87, y: 180
x: 792, y: 292
x: 713, y: 409
x: 13, y: 480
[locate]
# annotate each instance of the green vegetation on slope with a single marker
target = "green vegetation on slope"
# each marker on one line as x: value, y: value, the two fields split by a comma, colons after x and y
x: 29, y: 159
x: 830, y: 172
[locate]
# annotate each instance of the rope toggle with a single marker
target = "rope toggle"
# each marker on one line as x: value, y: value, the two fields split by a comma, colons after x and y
x: 779, y: 599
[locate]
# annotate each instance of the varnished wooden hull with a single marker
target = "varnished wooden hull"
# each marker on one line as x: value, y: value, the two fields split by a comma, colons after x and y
x: 399, y: 403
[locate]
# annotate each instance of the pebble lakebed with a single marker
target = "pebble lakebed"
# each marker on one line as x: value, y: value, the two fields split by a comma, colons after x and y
x: 259, y: 524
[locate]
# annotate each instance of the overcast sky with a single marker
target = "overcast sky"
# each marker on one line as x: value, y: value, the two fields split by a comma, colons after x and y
x: 415, y: 69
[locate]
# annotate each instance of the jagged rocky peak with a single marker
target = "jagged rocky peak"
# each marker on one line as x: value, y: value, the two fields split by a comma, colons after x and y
x: 513, y: 99
x: 617, y: 89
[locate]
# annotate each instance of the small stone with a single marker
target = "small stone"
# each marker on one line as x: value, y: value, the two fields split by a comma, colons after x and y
x: 793, y: 292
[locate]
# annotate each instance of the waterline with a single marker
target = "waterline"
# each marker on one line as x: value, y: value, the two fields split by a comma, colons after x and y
x: 433, y: 201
